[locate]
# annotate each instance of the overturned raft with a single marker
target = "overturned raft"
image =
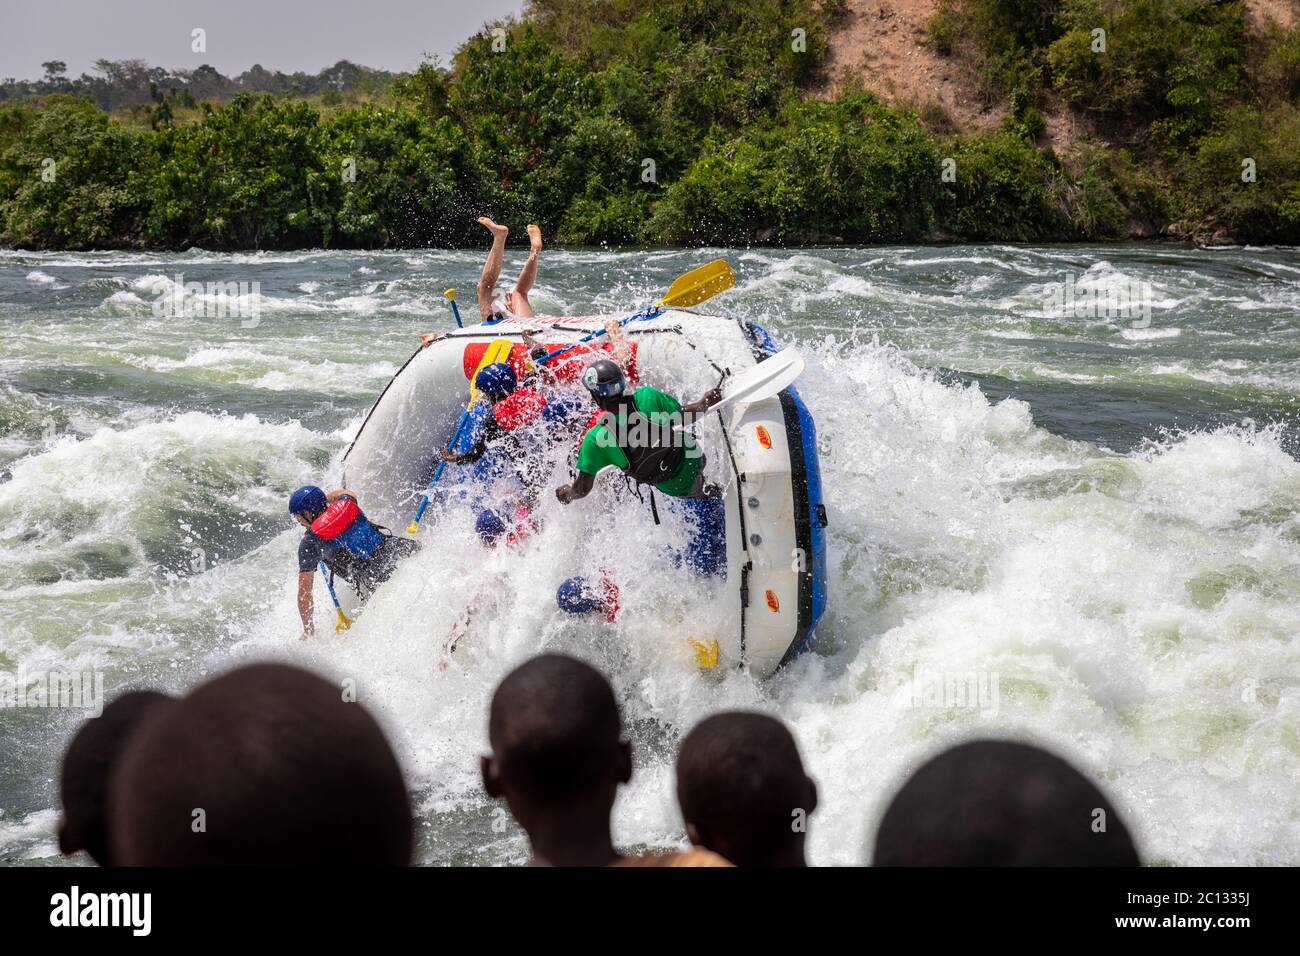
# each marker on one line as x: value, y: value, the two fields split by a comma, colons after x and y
x: 771, y: 547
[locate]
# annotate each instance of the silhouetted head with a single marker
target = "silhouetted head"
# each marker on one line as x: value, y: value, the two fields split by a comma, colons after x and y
x: 265, y: 765
x: 743, y: 790
x: 87, y: 766
x: 558, y: 757
x: 999, y: 803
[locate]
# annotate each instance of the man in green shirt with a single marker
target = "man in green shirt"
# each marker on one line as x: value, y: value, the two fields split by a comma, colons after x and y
x: 638, y: 434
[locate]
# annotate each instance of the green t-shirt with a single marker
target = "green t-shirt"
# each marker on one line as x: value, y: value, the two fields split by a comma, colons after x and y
x: 599, y: 449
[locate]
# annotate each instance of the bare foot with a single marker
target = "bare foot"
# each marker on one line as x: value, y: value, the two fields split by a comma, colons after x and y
x: 493, y: 228
x: 534, y: 238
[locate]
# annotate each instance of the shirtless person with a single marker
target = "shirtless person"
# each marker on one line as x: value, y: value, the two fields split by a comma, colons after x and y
x: 517, y: 303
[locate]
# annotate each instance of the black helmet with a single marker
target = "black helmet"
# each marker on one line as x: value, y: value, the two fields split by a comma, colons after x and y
x: 604, y: 379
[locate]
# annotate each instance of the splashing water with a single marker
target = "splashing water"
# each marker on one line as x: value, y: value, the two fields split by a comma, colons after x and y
x: 1094, y: 516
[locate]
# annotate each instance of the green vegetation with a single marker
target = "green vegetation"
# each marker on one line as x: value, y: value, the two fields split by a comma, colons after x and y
x: 1184, y: 92
x: 679, y: 121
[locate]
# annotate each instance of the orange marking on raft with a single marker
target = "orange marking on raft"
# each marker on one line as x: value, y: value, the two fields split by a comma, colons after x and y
x: 773, y: 602
x: 764, y: 436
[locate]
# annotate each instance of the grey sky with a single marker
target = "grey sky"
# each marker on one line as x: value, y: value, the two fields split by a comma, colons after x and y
x: 285, y: 35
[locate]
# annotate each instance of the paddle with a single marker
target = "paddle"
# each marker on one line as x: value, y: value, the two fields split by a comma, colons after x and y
x: 498, y: 350
x: 764, y: 380
x: 344, y: 622
x: 687, y: 290
x: 450, y: 296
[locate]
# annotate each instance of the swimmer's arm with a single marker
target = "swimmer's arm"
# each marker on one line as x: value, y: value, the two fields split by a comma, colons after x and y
x: 620, y: 349
x: 333, y: 495
x: 305, y: 608
x: 536, y: 352
x: 695, y: 409
x: 465, y: 457
x: 580, y: 488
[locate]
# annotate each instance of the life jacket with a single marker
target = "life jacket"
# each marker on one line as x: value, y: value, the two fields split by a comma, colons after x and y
x: 525, y: 525
x: 520, y: 407
x: 653, y: 460
x: 610, y: 591
x: 647, y: 464
x: 344, y: 524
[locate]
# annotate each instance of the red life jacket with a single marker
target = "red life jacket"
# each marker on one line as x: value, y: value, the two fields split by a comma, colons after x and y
x: 610, y: 590
x: 525, y: 525
x: 564, y: 368
x: 520, y: 407
x: 343, y: 523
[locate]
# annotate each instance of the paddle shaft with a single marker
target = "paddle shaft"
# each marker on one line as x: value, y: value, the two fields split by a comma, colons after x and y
x: 437, y: 472
x: 329, y: 586
x: 649, y: 313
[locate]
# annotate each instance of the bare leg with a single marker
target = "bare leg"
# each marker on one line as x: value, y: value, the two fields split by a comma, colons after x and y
x: 487, y: 282
x: 518, y: 300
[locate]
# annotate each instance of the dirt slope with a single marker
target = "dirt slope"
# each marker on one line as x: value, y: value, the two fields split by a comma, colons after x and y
x: 881, y: 41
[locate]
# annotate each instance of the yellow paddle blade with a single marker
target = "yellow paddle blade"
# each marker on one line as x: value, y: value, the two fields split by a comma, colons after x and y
x: 449, y: 294
x: 412, y: 528
x: 498, y: 350
x: 344, y: 622
x: 706, y: 653
x: 699, y: 284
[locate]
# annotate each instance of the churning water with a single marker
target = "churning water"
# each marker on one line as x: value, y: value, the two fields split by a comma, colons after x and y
x: 1092, y: 511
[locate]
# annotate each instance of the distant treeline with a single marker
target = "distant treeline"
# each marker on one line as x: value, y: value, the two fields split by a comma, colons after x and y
x: 122, y: 83
x: 698, y: 121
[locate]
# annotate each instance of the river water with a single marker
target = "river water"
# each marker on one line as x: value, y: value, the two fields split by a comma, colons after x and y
x: 1092, y: 509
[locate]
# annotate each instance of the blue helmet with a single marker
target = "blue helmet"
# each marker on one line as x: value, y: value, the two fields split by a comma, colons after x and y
x: 489, y: 527
x: 496, y: 380
x: 307, y: 500
x: 577, y: 597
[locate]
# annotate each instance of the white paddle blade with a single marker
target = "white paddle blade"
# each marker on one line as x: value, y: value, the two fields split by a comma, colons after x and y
x: 764, y: 380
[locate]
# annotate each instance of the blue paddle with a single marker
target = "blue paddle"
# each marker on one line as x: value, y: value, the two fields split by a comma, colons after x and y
x: 344, y: 622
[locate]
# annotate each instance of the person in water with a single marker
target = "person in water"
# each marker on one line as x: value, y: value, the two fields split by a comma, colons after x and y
x: 636, y: 434
x: 516, y: 303
x: 339, y: 534
x: 581, y: 596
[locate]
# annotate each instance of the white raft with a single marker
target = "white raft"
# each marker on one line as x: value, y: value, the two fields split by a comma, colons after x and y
x: 775, y: 574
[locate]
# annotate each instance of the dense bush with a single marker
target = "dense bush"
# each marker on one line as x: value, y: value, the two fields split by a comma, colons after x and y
x: 1171, y: 63
x: 1267, y: 208
x: 849, y: 170
x: 693, y: 121
x: 69, y: 177
x: 1005, y: 189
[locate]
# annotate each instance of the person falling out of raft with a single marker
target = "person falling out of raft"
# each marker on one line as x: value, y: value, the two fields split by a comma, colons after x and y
x: 636, y: 433
x: 516, y: 405
x: 516, y: 303
x: 512, y: 408
x: 350, y: 545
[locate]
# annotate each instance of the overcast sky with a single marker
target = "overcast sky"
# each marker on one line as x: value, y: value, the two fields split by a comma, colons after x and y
x: 285, y: 35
